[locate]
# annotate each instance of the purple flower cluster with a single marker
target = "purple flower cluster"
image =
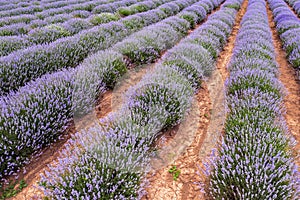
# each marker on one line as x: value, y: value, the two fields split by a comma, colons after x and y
x: 39, y: 112
x: 77, y: 8
x: 195, y: 56
x: 116, y: 151
x: 29, y: 115
x: 288, y: 26
x: 295, y: 4
x: 113, y: 6
x: 14, y: 29
x: 46, y: 34
x: 21, y: 10
x: 147, y: 45
x: 24, y: 65
x: 26, y: 18
x: 254, y: 160
x: 140, y: 7
x: 12, y: 43
x: 73, y: 26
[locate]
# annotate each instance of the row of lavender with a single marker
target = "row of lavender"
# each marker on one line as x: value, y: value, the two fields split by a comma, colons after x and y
x: 42, y: 11
x: 254, y: 160
x: 288, y: 27
x: 112, y: 157
x: 80, y: 9
x: 10, y: 5
x: 50, y: 33
x: 23, y: 24
x: 22, y: 66
x: 41, y: 111
x: 295, y: 4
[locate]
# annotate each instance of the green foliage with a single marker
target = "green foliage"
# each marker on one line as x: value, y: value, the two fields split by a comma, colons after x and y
x: 125, y: 11
x: 104, y: 18
x: 175, y: 172
x: 190, y: 19
x: 235, y: 6
x: 12, y: 190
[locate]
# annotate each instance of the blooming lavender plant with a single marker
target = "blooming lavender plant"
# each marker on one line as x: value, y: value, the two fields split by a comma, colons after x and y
x: 26, y: 18
x: 31, y: 116
x: 9, y: 44
x: 31, y: 63
x: 76, y: 25
x: 295, y: 4
x: 47, y: 34
x: 120, y: 145
x: 254, y: 160
x: 112, y: 7
x: 14, y: 29
x: 103, y: 18
x: 287, y: 25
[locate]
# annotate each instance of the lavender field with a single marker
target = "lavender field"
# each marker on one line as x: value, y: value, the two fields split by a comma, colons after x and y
x: 150, y: 99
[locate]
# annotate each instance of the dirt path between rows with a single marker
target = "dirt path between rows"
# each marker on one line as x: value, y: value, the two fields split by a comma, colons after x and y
x: 288, y: 77
x: 208, y: 122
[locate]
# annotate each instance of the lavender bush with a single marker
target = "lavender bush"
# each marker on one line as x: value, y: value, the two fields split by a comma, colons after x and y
x: 254, y: 160
x: 47, y: 34
x: 14, y: 29
x: 103, y: 18
x: 75, y: 93
x: 41, y: 111
x: 160, y: 99
x: 76, y: 25
x: 156, y: 38
x: 295, y: 4
x: 112, y: 7
x: 22, y: 66
x: 138, y: 7
x: 288, y: 27
x: 26, y: 18
x: 9, y: 44
x: 145, y: 46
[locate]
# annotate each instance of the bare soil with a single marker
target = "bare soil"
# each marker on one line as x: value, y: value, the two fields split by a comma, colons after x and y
x: 210, y: 120
x: 162, y: 185
x: 288, y: 77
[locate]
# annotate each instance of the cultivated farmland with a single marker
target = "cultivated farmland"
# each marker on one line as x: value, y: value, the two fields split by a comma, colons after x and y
x: 150, y: 99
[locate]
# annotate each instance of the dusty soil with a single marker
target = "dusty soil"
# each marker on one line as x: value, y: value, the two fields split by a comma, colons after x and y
x: 289, y: 79
x: 162, y: 185
x: 209, y: 121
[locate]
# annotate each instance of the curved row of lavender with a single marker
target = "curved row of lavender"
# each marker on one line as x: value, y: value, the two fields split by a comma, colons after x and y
x: 288, y: 27
x: 38, y: 9
x: 58, y: 15
x: 22, y: 66
x: 80, y: 9
x: 295, y: 4
x: 254, y: 160
x: 50, y: 33
x: 112, y: 157
x: 40, y: 112
x: 55, y: 4
x: 29, y: 17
